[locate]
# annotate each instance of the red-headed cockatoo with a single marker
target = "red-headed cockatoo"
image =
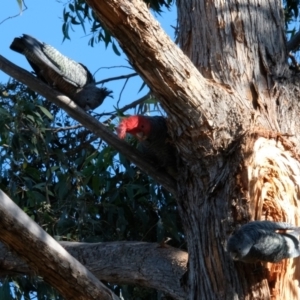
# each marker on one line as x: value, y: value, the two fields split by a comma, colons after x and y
x: 154, y: 140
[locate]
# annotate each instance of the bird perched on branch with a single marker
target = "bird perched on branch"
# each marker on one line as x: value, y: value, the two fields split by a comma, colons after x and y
x: 154, y: 140
x: 264, y: 241
x: 64, y: 74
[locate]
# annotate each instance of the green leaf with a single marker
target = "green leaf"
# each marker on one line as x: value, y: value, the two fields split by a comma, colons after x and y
x: 81, y: 20
x: 106, y: 37
x: 31, y: 118
x: 5, y: 292
x: 71, y: 6
x: 115, y: 49
x: 74, y: 21
x: 65, y: 30
x: 46, y: 112
x: 20, y: 3
x: 143, y: 85
x: 65, y: 15
x: 33, y: 172
x: 96, y: 184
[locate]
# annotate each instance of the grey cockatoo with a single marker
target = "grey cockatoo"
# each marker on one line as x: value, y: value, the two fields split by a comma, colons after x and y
x: 64, y: 74
x: 264, y: 241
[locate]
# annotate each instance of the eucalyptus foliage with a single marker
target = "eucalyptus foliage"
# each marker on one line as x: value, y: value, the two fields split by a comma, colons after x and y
x: 73, y: 184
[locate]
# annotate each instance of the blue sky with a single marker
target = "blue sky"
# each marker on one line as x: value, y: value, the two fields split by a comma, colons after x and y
x: 43, y: 20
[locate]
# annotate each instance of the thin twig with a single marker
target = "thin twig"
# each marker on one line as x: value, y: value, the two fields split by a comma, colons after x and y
x: 126, y: 107
x: 122, y: 90
x: 117, y: 78
x: 113, y: 67
x: 65, y: 128
x: 56, y: 129
x: 12, y: 17
x: 294, y: 42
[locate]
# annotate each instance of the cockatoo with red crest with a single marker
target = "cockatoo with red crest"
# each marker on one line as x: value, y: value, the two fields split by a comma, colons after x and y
x: 154, y: 140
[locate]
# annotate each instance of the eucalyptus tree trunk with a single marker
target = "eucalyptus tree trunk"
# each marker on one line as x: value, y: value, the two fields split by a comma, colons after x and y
x: 250, y: 170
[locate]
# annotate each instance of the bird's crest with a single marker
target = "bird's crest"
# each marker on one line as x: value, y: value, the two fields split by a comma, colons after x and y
x: 132, y: 124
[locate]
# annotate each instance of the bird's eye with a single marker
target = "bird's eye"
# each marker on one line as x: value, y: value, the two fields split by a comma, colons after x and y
x: 142, y: 126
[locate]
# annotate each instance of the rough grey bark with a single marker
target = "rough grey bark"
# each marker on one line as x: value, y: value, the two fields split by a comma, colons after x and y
x: 242, y: 46
x: 138, y: 263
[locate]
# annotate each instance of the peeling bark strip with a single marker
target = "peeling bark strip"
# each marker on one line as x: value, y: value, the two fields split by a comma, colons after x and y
x: 88, y: 122
x: 270, y: 178
x: 21, y: 234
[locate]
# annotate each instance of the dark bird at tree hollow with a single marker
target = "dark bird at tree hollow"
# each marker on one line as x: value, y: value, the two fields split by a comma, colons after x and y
x: 264, y: 241
x: 154, y: 140
x: 60, y: 72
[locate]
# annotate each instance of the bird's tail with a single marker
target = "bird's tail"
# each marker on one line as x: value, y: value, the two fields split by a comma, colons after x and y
x: 17, y: 45
x: 25, y: 42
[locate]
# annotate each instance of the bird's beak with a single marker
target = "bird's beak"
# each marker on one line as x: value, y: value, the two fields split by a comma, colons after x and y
x: 140, y: 136
x: 234, y: 255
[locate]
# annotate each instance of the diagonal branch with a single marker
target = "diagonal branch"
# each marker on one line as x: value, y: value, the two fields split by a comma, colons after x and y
x: 88, y: 121
x: 139, y: 263
x: 46, y: 256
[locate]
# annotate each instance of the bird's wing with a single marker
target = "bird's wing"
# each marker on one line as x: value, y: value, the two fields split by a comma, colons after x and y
x: 270, y: 225
x: 268, y: 247
x: 71, y: 71
x: 32, y: 49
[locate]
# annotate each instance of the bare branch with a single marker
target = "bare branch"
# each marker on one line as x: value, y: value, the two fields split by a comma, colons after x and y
x: 122, y: 90
x: 112, y: 67
x: 88, y: 121
x: 126, y: 107
x: 294, y: 42
x: 44, y: 255
x: 57, y: 129
x: 139, y: 263
x: 117, y: 78
x: 12, y: 17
